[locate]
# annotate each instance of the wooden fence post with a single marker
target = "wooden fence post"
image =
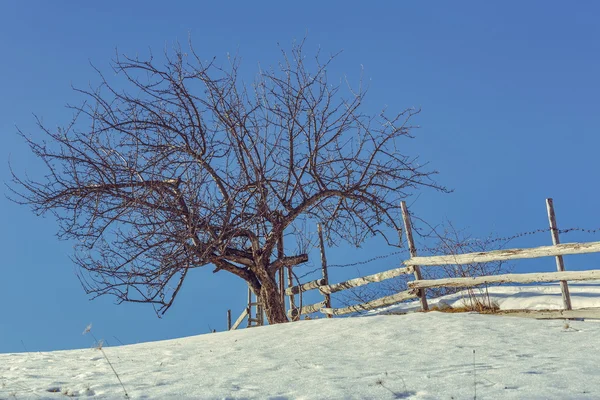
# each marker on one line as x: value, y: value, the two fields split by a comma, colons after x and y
x: 292, y: 300
x: 413, y: 253
x: 324, y: 268
x: 280, y: 255
x: 228, y: 320
x: 249, y: 306
x: 564, y: 287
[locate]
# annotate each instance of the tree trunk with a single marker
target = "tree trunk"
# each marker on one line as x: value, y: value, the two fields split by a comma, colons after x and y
x: 270, y: 299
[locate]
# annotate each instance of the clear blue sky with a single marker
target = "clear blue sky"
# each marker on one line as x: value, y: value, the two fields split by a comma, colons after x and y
x: 509, y: 91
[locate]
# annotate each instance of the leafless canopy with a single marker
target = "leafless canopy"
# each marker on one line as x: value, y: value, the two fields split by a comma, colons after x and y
x: 178, y: 164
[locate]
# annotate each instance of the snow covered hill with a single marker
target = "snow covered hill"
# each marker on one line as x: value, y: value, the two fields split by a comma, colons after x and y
x: 415, y: 356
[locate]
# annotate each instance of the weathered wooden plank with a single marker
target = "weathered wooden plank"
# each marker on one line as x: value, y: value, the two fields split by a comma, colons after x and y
x: 507, y: 278
x: 413, y: 253
x: 324, y: 268
x: 249, y: 306
x: 291, y: 297
x: 309, y: 309
x: 243, y: 315
x: 280, y: 255
x: 553, y: 314
x: 560, y: 266
x: 381, y: 302
x: 381, y: 276
x: 509, y: 254
x: 305, y: 287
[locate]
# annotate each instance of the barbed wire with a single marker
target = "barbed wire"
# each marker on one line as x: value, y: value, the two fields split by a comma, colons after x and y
x: 366, y: 261
x: 508, y: 239
x: 370, y: 260
x: 466, y: 243
x: 592, y: 231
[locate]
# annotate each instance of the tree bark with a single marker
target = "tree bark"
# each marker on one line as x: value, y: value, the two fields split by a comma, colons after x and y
x: 270, y: 298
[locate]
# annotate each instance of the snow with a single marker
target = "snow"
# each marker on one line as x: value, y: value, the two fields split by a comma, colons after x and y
x: 526, y: 297
x: 414, y: 356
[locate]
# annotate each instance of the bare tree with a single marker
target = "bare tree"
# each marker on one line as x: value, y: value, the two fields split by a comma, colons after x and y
x: 177, y: 164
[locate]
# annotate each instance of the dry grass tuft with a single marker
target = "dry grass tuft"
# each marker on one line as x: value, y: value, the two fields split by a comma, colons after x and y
x: 99, y: 344
x: 463, y: 309
x: 473, y: 305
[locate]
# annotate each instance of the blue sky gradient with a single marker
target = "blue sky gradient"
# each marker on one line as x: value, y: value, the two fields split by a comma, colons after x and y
x: 509, y: 93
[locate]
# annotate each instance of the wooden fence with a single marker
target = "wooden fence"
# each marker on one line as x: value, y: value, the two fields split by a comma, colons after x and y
x: 417, y: 287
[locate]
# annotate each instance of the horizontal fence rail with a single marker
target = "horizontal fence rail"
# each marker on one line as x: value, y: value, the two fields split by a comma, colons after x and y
x: 381, y: 276
x: 371, y: 305
x: 509, y: 254
x: 507, y: 278
x: 305, y: 287
x: 309, y: 309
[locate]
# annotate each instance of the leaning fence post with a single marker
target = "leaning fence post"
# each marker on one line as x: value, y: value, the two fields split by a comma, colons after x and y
x: 560, y: 265
x: 324, y: 268
x: 413, y: 253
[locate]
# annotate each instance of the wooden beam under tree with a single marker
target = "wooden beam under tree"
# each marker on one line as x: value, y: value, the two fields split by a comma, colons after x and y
x: 507, y: 278
x: 560, y: 265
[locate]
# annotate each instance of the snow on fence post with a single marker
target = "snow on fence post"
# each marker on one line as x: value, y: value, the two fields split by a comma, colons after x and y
x: 560, y: 266
x: 324, y: 268
x: 413, y: 253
